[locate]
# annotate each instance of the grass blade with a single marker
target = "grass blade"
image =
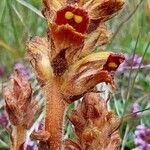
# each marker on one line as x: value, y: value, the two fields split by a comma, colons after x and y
x: 32, y: 8
x: 2, y: 8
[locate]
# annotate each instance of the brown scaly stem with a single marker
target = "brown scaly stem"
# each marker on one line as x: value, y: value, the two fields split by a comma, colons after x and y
x: 55, y: 110
x: 19, y: 134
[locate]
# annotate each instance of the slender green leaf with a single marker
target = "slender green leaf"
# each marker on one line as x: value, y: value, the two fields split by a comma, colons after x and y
x: 29, y: 6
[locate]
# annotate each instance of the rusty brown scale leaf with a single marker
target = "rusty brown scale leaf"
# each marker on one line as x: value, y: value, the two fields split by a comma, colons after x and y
x: 96, y: 128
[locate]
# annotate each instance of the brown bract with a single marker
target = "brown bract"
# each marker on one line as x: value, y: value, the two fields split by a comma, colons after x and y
x: 18, y: 99
x: 95, y: 127
x: 38, y: 54
x: 103, y: 10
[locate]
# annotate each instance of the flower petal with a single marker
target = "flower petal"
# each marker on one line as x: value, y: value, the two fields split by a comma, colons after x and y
x: 73, y: 15
x: 113, y: 62
x: 64, y: 37
x: 104, y: 10
x: 66, y: 43
x: 96, y: 38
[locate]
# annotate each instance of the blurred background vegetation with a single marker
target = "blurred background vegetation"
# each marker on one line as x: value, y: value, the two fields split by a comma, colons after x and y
x: 21, y: 20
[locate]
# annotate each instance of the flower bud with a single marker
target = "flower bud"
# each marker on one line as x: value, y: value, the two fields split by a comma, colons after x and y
x: 18, y: 99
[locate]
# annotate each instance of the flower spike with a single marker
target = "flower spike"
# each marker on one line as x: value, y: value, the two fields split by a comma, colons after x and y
x: 68, y: 70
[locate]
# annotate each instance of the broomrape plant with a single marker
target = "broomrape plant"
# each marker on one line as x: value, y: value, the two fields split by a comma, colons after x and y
x: 68, y: 69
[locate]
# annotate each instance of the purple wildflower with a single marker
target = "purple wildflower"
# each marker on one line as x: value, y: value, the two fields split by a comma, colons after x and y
x: 135, y: 108
x: 130, y: 61
x: 24, y: 70
x: 31, y: 145
x: 40, y: 127
x: 141, y: 147
x: 142, y: 138
x: 3, y: 119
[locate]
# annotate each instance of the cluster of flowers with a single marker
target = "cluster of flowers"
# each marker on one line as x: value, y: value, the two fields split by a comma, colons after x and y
x: 130, y: 60
x: 142, y: 138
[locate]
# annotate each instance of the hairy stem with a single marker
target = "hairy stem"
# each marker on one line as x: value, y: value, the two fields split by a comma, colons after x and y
x: 19, y: 135
x: 55, y: 110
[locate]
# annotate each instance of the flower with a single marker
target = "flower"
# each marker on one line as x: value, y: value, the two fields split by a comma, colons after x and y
x: 3, y: 119
x: 142, y: 138
x: 135, y: 108
x: 38, y: 54
x: 75, y: 29
x: 130, y: 61
x: 31, y: 145
x: 88, y: 72
x: 23, y: 69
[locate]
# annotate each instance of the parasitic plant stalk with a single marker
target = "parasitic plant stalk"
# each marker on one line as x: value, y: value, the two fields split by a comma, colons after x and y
x: 67, y: 69
x: 19, y: 134
x: 55, y: 109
